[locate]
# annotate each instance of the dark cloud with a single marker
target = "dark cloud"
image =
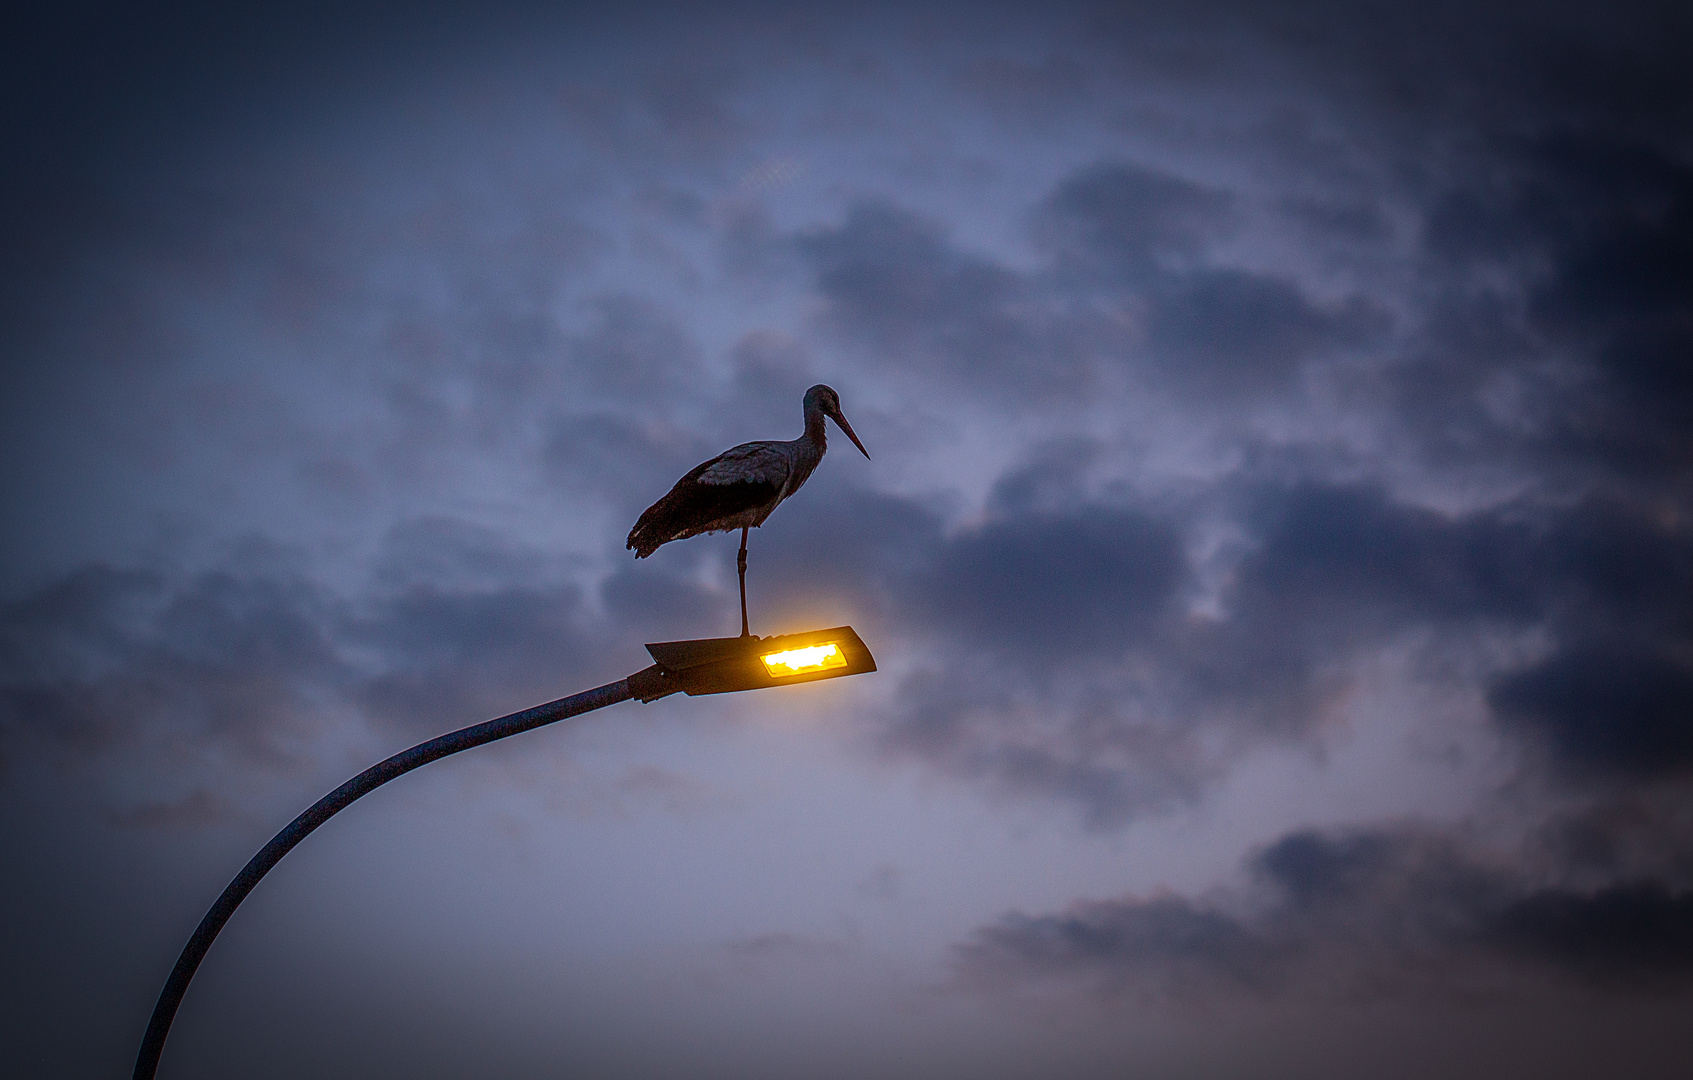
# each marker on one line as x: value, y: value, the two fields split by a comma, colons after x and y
x: 1227, y: 330
x: 1337, y: 560
x: 448, y: 657
x: 1610, y: 710
x: 1633, y: 832
x: 106, y: 659
x: 1101, y: 745
x: 1057, y: 604
x: 1134, y: 242
x: 1365, y: 914
x: 657, y: 606
x: 1046, y: 588
x: 1128, y: 226
x: 443, y: 551
x: 1621, y: 566
x: 688, y: 99
x: 1593, y: 235
x: 836, y: 547
x: 248, y: 664
x: 631, y: 346
x: 895, y: 284
x: 1636, y: 933
x: 1075, y: 669
x: 1106, y: 944
x: 1054, y: 476
x: 1050, y: 624
x: 200, y: 808
x: 1027, y: 92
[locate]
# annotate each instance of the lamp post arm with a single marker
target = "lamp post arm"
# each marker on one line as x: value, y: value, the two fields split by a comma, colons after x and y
x: 647, y: 685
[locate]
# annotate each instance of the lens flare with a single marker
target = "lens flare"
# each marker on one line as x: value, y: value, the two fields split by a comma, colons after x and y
x: 804, y: 661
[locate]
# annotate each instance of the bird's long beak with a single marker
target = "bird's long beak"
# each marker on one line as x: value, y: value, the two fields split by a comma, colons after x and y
x: 840, y: 418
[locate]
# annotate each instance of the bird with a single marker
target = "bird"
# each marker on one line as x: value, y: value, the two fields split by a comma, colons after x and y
x: 740, y: 487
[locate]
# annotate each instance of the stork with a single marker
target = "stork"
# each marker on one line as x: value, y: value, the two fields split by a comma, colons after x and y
x: 739, y: 488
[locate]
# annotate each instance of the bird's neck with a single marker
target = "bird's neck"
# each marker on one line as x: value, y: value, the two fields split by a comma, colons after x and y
x: 814, y: 432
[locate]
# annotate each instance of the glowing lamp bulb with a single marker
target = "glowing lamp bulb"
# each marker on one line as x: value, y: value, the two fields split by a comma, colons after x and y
x: 803, y: 661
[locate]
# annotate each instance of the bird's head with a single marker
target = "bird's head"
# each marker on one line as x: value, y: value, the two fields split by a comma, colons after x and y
x: 824, y: 399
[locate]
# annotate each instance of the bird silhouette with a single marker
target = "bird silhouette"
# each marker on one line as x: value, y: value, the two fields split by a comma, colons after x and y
x: 740, y: 487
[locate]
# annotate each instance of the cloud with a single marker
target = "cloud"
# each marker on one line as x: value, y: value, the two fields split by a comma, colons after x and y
x: 1336, y: 559
x: 251, y: 663
x: 1128, y: 226
x: 1594, y: 234
x: 1362, y: 914
x: 448, y: 657
x: 200, y: 808
x: 105, y: 660
x: 1608, y: 710
x: 632, y: 346
x: 1107, y: 943
x: 1130, y: 280
x: 1043, y: 589
x: 1234, y: 332
x: 1023, y: 91
x: 1631, y: 934
x: 1070, y: 664
x: 893, y: 284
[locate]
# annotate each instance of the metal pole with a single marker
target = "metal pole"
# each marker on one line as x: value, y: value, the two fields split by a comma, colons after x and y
x: 646, y: 685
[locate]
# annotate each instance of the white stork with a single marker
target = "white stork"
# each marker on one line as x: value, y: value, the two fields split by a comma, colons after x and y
x: 739, y: 488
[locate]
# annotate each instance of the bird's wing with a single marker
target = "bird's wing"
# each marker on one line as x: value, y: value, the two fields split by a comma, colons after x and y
x: 748, y: 463
x: 711, y: 496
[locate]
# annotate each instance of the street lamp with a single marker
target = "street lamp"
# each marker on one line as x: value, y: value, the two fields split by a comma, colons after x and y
x: 703, y: 666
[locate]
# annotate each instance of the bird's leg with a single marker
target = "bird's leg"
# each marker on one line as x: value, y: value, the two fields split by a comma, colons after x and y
x: 741, y: 564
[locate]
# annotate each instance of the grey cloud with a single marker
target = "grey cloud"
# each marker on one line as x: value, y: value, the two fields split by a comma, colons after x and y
x: 1229, y: 330
x: 1614, y: 701
x: 632, y: 346
x: 444, y: 550
x: 1142, y: 237
x: 628, y: 462
x: 689, y: 99
x: 1071, y: 669
x: 1334, y: 560
x: 1610, y: 710
x: 247, y: 663
x: 1053, y: 477
x: 1042, y: 588
x: 102, y: 658
x: 200, y: 808
x: 895, y: 284
x: 1596, y: 234
x: 658, y: 606
x: 1384, y: 912
x: 1632, y: 832
x: 1630, y: 934
x: 1100, y: 745
x: 1057, y: 604
x: 1624, y: 272
x: 1617, y: 566
x: 1127, y: 282
x: 1027, y: 92
x: 1127, y: 225
x: 1108, y: 943
x: 447, y: 657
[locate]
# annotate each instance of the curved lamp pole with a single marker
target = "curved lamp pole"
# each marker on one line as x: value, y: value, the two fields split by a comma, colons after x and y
x: 708, y: 666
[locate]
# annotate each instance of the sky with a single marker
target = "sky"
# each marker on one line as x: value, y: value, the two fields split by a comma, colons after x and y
x: 1277, y: 546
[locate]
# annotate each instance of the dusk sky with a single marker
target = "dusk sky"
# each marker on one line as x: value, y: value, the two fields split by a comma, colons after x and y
x: 1277, y: 548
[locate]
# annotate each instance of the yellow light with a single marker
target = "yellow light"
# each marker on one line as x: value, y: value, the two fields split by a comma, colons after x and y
x: 804, y: 661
